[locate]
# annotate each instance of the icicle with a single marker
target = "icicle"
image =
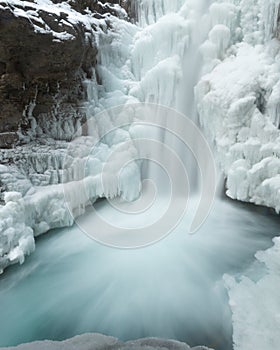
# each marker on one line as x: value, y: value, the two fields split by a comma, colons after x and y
x: 220, y: 36
x: 272, y: 18
x: 273, y: 105
x: 151, y: 10
x: 224, y: 13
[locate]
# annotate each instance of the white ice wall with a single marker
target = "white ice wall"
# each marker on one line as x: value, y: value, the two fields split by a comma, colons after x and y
x: 238, y: 104
x: 238, y: 99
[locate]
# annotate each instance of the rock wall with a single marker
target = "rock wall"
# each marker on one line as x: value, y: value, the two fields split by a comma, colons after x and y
x: 46, y: 52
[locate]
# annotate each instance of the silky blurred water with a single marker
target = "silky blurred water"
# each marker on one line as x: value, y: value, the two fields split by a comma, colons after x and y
x: 172, y: 289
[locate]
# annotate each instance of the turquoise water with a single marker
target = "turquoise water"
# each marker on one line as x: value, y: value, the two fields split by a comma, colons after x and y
x: 172, y: 289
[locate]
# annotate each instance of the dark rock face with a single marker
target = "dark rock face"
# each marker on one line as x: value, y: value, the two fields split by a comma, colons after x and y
x: 41, y: 71
x: 8, y: 139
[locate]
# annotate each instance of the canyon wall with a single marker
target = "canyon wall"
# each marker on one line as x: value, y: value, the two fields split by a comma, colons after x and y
x: 46, y: 52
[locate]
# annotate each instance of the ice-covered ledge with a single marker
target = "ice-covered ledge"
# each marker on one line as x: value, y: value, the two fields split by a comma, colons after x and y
x: 63, y: 191
x: 101, y: 342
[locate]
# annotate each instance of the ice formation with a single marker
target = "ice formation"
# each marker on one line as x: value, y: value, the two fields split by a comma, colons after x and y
x: 102, y: 342
x: 16, y: 239
x: 254, y: 301
x: 238, y: 99
x: 238, y: 105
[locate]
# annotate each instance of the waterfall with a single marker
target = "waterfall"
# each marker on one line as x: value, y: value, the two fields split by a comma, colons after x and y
x: 162, y: 138
x: 168, y: 70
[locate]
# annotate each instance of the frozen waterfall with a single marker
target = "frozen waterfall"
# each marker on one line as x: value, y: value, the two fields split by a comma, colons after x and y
x: 207, y: 70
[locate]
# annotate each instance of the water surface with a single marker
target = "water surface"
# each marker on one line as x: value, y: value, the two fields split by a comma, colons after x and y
x: 172, y: 289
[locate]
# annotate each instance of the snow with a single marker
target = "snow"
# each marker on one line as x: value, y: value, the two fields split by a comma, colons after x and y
x: 31, y: 10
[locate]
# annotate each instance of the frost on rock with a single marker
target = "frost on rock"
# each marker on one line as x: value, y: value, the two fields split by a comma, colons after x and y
x: 238, y: 97
x: 255, y: 303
